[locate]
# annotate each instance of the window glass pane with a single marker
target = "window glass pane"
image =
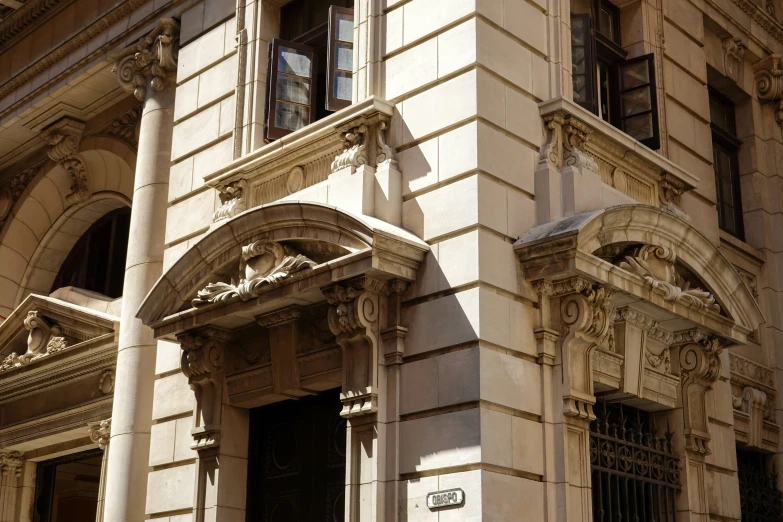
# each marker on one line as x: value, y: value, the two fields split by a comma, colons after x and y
x: 344, y: 31
x: 639, y: 127
x: 344, y: 56
x: 290, y: 116
x: 578, y: 30
x: 291, y: 88
x: 343, y: 85
x: 606, y: 23
x: 294, y: 61
x: 719, y: 115
x: 634, y: 75
x: 636, y: 101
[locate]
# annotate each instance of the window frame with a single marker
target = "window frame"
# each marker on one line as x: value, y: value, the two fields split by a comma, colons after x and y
x: 654, y: 141
x: 723, y: 140
x: 272, y: 131
x: 591, y: 91
x: 332, y: 102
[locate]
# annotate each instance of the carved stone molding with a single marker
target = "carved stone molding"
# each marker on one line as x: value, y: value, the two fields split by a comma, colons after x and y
x: 233, y: 200
x: 566, y: 137
x: 700, y: 367
x: 152, y: 62
x: 768, y: 77
x: 202, y: 363
x: 656, y: 266
x: 733, y: 57
x: 262, y: 263
x: 356, y: 308
x: 100, y: 433
x: 750, y: 373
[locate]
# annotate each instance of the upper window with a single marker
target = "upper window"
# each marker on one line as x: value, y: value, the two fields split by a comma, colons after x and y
x: 310, y: 65
x: 620, y: 91
x: 725, y: 149
x: 97, y: 261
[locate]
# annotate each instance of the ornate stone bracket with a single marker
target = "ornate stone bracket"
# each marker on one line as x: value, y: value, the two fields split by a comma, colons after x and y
x: 733, y: 57
x: 670, y: 190
x: 202, y: 364
x: 700, y: 367
x: 100, y: 433
x: 768, y: 77
x: 44, y: 339
x: 585, y: 319
x: 152, y: 62
x: 365, y: 144
x: 233, y: 200
x: 262, y: 263
x: 566, y: 137
x: 357, y: 309
x: 63, y: 137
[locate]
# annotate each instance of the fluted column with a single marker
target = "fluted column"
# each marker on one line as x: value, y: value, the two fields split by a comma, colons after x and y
x: 10, y: 469
x: 148, y: 70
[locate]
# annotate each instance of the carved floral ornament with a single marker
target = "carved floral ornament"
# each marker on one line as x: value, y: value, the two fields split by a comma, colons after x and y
x: 152, y: 62
x: 262, y: 263
x: 43, y: 340
x: 100, y: 433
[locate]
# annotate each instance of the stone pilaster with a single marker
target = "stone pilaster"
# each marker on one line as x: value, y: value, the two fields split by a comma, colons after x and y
x: 10, y: 471
x: 364, y: 315
x: 100, y: 433
x: 148, y: 70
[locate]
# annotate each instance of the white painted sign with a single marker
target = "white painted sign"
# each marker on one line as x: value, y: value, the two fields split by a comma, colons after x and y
x: 448, y: 498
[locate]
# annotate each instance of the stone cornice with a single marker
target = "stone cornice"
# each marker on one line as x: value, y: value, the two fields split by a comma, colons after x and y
x: 30, y: 12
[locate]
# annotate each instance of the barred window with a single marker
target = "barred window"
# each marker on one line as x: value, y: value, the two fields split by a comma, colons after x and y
x: 760, y: 499
x: 635, y: 472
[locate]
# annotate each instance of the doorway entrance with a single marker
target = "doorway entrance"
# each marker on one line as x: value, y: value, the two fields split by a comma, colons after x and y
x: 296, y: 469
x: 66, y: 488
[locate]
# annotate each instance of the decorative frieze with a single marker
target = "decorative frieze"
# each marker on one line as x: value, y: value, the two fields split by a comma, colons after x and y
x: 152, y: 62
x: 656, y: 266
x: 262, y: 263
x: 768, y: 77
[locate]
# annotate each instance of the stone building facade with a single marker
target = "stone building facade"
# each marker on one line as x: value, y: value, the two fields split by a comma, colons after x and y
x: 391, y: 260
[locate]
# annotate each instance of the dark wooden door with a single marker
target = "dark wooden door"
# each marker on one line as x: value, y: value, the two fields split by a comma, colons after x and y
x: 296, y: 471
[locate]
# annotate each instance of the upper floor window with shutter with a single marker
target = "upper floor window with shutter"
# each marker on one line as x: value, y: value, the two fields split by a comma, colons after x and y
x: 725, y: 152
x: 620, y: 91
x: 310, y: 66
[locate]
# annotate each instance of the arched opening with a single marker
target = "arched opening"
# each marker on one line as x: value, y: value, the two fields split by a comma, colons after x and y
x: 97, y: 260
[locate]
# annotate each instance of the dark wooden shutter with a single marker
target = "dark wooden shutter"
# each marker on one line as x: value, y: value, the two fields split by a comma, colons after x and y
x: 339, y: 79
x: 291, y: 88
x: 583, y: 64
x: 638, y: 100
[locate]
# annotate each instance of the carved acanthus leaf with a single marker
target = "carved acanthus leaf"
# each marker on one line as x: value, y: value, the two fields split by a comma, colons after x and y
x: 11, y: 463
x: 263, y: 263
x: 656, y: 266
x: 354, y: 152
x: 670, y: 189
x: 80, y: 185
x: 43, y: 340
x: 11, y: 191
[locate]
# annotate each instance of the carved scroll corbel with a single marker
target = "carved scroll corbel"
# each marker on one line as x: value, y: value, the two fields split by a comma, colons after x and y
x: 575, y: 135
x: 552, y: 152
x: 354, y: 152
x: 63, y: 137
x: 586, y: 320
x: 355, y: 312
x: 670, y: 189
x: 768, y: 77
x: 202, y: 364
x: 700, y: 367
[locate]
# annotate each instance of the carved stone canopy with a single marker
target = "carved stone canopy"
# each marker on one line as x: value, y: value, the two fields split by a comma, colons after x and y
x: 272, y: 256
x: 648, y: 255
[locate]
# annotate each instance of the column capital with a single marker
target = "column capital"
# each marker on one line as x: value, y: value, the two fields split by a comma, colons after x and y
x: 152, y: 62
x: 100, y: 432
x: 11, y: 463
x: 768, y: 77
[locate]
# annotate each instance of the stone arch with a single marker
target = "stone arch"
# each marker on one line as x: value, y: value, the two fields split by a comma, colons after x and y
x: 43, y: 228
x: 319, y: 230
x: 571, y: 244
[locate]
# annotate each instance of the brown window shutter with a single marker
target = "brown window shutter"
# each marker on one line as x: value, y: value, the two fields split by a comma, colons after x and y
x: 339, y: 78
x: 291, y: 88
x: 583, y: 64
x: 638, y: 100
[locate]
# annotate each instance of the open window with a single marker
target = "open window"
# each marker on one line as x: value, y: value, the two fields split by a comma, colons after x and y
x: 310, y: 66
x: 618, y: 90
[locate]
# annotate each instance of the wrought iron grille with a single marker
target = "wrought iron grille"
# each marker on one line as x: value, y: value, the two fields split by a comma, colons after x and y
x: 635, y: 473
x: 760, y: 499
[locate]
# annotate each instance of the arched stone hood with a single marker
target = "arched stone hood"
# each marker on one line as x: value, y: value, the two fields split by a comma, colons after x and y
x: 326, y: 244
x: 598, y: 245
